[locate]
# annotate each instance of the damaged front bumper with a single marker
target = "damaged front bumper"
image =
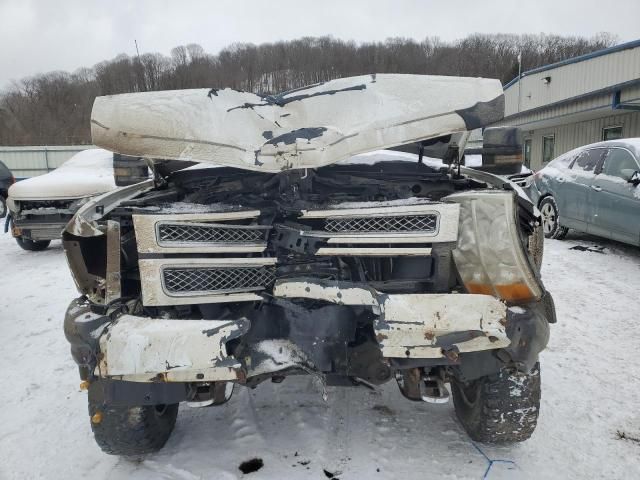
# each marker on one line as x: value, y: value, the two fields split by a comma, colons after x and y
x: 434, y: 329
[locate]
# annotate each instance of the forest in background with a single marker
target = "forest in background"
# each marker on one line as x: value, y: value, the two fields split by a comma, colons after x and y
x: 54, y: 108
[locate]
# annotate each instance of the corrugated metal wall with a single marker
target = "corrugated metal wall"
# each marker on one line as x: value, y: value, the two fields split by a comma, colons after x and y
x: 596, y: 105
x: 27, y: 162
x: 573, y: 135
x: 573, y: 80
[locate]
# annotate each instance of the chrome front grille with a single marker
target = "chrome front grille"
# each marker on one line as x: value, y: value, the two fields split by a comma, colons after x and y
x: 214, y: 233
x: 380, y: 224
x: 179, y: 280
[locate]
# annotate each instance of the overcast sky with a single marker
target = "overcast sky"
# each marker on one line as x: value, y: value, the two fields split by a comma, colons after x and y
x: 40, y: 35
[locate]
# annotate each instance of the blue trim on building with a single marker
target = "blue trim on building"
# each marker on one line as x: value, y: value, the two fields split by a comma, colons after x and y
x: 610, y: 89
x: 581, y: 58
x: 628, y: 105
x: 508, y: 84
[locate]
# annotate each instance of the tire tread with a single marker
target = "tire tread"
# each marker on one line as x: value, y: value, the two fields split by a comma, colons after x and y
x: 506, y: 410
x: 131, y: 431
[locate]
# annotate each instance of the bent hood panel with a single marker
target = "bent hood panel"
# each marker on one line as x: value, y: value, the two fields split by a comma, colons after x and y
x: 305, y: 128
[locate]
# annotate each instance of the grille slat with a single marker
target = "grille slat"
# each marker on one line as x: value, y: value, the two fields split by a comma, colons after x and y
x: 217, y: 279
x: 402, y: 223
x: 185, y: 233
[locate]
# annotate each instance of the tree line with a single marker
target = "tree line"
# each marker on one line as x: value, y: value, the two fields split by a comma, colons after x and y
x: 54, y: 108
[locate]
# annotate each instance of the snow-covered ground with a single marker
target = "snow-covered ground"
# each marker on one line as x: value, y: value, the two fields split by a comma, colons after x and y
x: 591, y: 390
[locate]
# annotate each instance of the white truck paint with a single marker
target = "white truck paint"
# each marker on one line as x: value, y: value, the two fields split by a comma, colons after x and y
x: 304, y: 128
x: 152, y: 349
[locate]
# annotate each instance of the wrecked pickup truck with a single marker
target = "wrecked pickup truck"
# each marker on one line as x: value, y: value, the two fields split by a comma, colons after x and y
x: 290, y: 249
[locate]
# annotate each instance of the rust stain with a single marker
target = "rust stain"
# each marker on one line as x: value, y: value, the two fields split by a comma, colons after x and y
x: 241, y: 375
x: 160, y: 378
x: 380, y: 337
x: 450, y: 354
x: 429, y: 335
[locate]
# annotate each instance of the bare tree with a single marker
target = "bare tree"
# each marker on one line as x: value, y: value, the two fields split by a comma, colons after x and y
x: 54, y: 108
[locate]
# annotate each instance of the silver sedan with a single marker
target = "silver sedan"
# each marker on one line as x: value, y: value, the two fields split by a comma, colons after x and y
x: 593, y: 189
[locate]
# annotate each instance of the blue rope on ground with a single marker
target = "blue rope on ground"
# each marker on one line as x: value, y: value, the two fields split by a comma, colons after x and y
x: 490, y: 461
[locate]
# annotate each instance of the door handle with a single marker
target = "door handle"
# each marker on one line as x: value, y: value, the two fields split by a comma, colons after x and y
x: 596, y: 188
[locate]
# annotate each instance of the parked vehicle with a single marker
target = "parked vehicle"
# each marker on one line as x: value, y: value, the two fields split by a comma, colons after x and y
x: 40, y: 207
x: 6, y: 180
x: 592, y: 189
x: 297, y: 256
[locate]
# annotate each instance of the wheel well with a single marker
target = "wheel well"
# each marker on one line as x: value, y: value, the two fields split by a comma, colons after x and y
x: 546, y: 195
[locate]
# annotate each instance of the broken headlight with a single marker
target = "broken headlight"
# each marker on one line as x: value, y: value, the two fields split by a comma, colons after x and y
x: 490, y: 256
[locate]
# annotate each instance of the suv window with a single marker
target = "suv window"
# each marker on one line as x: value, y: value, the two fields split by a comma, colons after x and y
x: 618, y: 159
x: 588, y: 160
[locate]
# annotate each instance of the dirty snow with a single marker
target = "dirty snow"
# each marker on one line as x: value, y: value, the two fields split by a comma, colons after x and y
x: 590, y: 375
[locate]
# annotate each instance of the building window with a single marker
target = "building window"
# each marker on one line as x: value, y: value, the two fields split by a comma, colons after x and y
x: 527, y: 152
x: 548, y: 142
x: 612, y: 133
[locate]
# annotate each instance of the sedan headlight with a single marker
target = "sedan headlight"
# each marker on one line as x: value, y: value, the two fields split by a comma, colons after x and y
x: 490, y: 256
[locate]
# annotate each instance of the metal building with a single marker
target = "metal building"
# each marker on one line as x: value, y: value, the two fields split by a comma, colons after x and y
x: 575, y: 102
x: 27, y: 162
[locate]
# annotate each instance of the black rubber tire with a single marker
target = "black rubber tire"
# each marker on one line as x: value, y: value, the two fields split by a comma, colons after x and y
x: 132, y: 431
x: 3, y: 207
x: 536, y: 246
x: 499, y: 408
x: 32, y: 245
x: 550, y: 219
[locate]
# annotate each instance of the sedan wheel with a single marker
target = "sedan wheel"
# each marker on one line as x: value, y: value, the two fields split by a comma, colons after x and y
x: 550, y: 219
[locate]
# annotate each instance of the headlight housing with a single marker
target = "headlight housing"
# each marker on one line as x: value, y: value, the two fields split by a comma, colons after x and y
x: 490, y: 256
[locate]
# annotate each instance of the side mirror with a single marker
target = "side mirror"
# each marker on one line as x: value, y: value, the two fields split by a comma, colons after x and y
x: 501, y: 151
x: 630, y: 175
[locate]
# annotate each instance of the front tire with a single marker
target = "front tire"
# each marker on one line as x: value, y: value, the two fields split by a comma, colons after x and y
x: 551, y: 219
x: 32, y: 245
x: 132, y: 430
x: 499, y: 408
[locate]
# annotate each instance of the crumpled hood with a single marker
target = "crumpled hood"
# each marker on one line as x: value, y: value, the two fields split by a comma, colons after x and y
x: 304, y: 128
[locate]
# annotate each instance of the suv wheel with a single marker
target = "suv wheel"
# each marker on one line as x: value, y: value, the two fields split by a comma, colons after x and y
x: 32, y: 245
x: 499, y: 408
x: 550, y: 219
x: 131, y: 431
